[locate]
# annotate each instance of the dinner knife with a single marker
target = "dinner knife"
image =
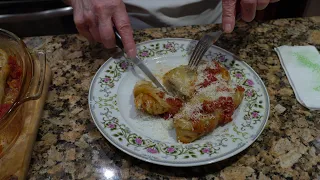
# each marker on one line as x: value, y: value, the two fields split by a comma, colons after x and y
x: 138, y: 62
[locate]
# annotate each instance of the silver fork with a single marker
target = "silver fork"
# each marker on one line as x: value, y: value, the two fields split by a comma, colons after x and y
x: 203, y: 45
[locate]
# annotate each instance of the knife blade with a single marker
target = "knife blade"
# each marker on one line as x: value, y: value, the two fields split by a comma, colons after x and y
x: 139, y: 63
x: 147, y: 72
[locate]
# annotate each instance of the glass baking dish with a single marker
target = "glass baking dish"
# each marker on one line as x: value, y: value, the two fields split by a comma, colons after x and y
x: 33, y: 66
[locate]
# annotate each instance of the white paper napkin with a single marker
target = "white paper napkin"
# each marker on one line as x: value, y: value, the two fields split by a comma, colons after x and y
x: 302, y: 67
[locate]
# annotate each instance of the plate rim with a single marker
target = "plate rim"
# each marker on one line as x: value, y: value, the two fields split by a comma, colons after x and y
x: 204, y: 162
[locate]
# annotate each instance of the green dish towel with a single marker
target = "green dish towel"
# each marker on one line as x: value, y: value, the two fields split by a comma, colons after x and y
x: 302, y: 67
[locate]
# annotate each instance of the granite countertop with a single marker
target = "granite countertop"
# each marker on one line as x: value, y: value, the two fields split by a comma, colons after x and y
x: 69, y: 146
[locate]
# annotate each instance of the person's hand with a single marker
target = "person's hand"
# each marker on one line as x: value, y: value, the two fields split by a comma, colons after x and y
x: 94, y: 19
x: 248, y: 11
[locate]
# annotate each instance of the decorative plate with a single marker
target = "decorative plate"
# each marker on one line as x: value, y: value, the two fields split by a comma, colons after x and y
x: 153, y: 139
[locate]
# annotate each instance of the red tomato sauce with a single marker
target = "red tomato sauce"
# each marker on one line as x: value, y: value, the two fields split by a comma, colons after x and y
x: 225, y: 104
x: 175, y: 104
x: 13, y: 85
x: 210, y: 79
x: 211, y: 73
x: 3, y: 109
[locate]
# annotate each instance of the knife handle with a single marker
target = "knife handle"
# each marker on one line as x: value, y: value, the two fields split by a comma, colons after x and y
x: 238, y: 11
x: 118, y: 38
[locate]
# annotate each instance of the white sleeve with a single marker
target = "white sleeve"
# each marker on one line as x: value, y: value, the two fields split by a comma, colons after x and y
x: 158, y: 13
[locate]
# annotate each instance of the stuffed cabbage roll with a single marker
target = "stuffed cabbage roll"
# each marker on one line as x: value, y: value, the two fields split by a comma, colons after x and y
x: 149, y: 99
x: 4, y: 72
x: 211, y: 106
x: 180, y: 80
x: 154, y: 101
x: 210, y: 99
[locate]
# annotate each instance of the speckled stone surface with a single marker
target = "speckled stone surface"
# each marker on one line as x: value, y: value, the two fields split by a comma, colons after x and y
x: 69, y: 146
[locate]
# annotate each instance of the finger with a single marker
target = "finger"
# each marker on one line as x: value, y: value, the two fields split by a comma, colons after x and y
x: 106, y: 33
x: 80, y: 21
x: 228, y: 15
x: 94, y: 30
x: 248, y: 9
x: 92, y: 23
x: 261, y: 4
x: 105, y: 25
x: 122, y: 23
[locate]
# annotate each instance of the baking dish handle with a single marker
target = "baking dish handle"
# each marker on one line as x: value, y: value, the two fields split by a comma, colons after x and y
x: 37, y: 82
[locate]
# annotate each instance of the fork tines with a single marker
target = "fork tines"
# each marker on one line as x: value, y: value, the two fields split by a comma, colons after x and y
x: 200, y: 49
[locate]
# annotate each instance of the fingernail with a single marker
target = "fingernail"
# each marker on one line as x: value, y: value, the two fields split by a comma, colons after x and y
x: 131, y: 53
x: 227, y: 28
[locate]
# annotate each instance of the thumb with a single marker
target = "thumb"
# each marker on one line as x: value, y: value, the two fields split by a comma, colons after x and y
x: 228, y: 15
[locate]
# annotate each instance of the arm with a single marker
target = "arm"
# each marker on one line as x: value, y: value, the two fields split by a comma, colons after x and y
x: 94, y: 19
x: 248, y: 10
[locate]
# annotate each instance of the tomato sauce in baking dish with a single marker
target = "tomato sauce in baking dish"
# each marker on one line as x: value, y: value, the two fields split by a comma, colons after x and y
x: 10, y: 81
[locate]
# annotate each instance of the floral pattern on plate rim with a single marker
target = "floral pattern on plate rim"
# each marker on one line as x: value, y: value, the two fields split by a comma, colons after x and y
x: 255, y: 111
